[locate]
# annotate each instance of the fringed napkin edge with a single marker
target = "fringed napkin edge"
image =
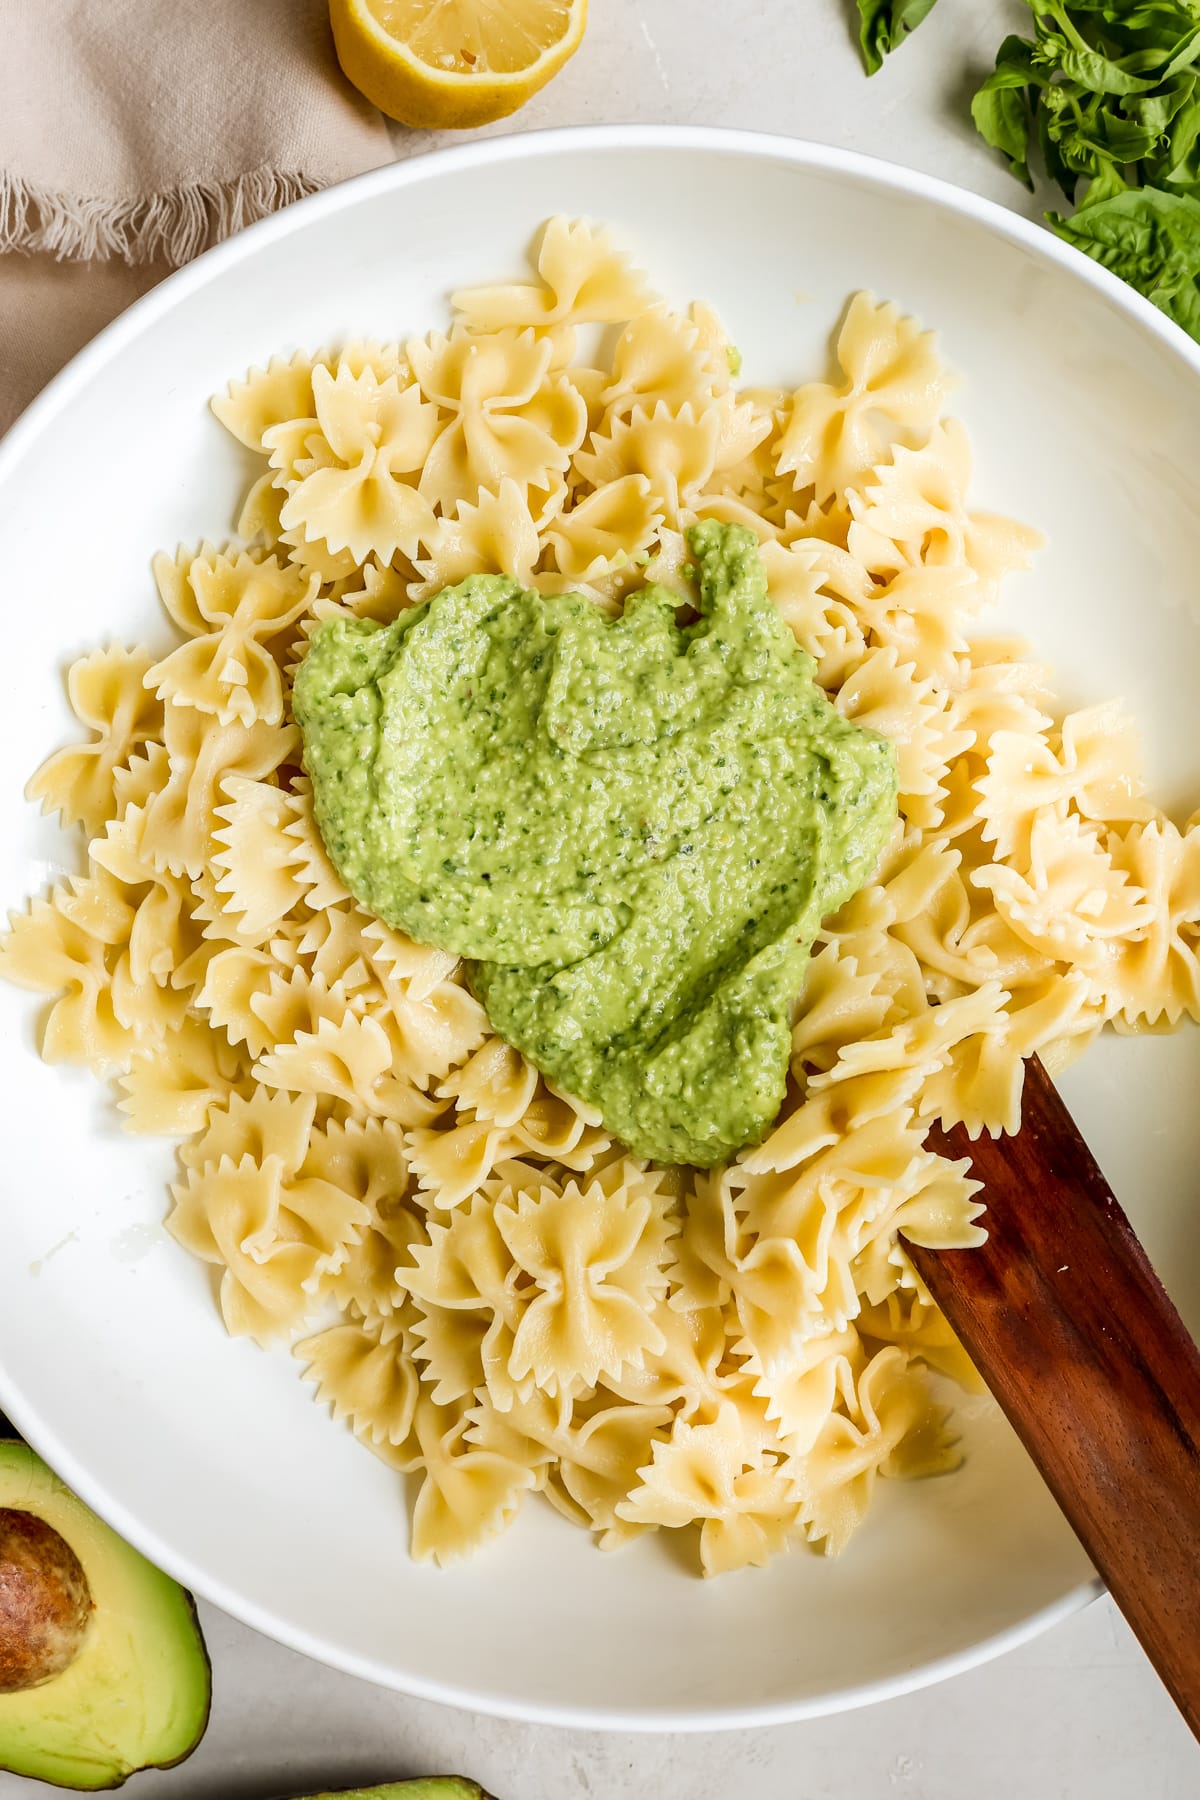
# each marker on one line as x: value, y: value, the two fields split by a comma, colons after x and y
x: 171, y: 226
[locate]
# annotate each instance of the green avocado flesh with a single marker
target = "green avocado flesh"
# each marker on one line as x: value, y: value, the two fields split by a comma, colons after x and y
x: 137, y: 1694
x: 433, y: 1787
x: 631, y: 826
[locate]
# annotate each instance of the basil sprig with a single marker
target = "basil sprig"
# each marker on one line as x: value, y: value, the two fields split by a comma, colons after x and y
x: 1106, y: 93
x: 1109, y: 91
x: 884, y: 25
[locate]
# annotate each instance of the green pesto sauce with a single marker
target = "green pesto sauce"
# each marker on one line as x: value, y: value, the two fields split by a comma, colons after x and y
x: 631, y: 827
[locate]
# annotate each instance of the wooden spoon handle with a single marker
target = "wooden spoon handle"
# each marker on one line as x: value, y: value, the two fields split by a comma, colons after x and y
x: 1073, y: 1333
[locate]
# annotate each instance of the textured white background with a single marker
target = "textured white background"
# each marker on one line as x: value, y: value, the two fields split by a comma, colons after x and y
x: 1077, y: 1715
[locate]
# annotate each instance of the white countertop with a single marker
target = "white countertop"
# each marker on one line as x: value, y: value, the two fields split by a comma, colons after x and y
x: 1076, y: 1715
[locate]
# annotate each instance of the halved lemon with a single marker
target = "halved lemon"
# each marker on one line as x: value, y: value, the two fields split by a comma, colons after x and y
x: 454, y: 63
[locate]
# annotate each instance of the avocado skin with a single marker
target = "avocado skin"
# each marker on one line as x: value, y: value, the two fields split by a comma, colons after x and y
x: 430, y: 1787
x: 62, y: 1732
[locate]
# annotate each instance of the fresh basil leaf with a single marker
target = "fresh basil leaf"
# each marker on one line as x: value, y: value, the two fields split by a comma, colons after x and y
x: 1106, y: 181
x: 1186, y: 55
x: 1125, y: 140
x: 884, y: 25
x: 1180, y: 161
x: 1000, y: 108
x: 1088, y: 159
x: 1162, y: 15
x: 1157, y: 112
x: 1090, y: 132
x: 1016, y: 65
x: 1168, y: 17
x: 1002, y: 120
x: 1151, y: 240
x: 1100, y: 75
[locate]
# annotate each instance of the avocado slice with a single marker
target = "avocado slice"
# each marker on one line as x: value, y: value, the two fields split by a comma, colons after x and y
x: 103, y: 1668
x: 430, y: 1787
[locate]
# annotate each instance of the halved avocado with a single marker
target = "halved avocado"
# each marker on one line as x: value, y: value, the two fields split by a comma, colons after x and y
x: 103, y: 1668
x: 430, y: 1787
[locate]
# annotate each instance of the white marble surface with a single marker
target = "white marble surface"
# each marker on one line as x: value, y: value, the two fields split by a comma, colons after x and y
x: 1076, y: 1714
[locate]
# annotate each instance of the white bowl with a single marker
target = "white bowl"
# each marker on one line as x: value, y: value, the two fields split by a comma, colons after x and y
x: 1084, y: 405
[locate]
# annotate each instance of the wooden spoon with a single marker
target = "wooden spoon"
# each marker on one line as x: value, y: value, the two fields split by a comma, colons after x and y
x: 1073, y: 1333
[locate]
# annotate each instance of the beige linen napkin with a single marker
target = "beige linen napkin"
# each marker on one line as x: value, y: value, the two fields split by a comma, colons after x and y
x: 134, y: 134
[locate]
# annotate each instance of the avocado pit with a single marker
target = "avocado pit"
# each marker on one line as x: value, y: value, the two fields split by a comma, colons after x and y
x: 45, y: 1602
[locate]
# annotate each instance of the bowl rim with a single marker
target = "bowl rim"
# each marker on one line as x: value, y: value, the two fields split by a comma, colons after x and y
x: 56, y: 398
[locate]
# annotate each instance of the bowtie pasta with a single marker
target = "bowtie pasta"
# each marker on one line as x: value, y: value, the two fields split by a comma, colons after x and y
x: 472, y: 1275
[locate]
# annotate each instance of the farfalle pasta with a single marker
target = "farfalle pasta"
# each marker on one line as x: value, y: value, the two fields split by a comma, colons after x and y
x: 365, y: 1371
x: 891, y: 393
x: 509, y: 417
x: 107, y: 691
x: 476, y: 1279
x: 231, y: 607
